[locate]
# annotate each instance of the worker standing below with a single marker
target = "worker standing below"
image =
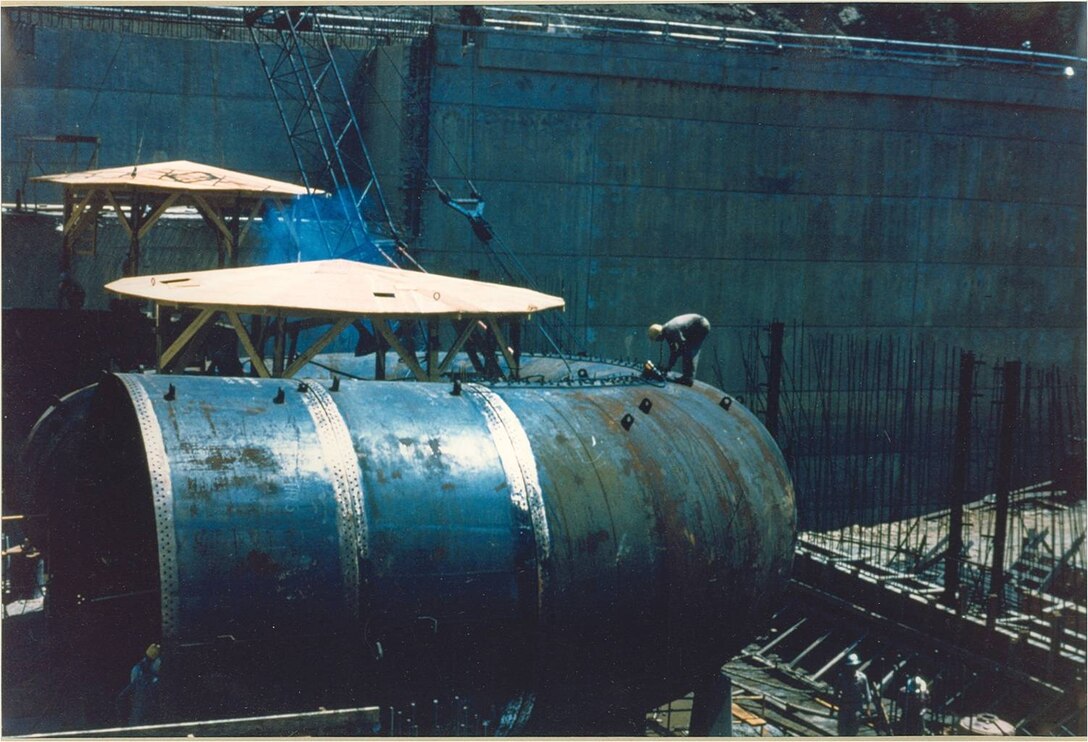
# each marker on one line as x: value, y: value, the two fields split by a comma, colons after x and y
x: 914, y: 705
x: 70, y: 295
x: 142, y: 687
x: 854, y: 696
x: 685, y: 335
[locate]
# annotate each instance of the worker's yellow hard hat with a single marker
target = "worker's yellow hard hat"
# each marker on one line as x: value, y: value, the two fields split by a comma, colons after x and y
x: 654, y: 332
x: 152, y: 651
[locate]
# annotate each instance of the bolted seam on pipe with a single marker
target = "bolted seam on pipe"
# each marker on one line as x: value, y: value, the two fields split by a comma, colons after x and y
x: 162, y: 492
x: 351, y: 526
x: 519, y: 464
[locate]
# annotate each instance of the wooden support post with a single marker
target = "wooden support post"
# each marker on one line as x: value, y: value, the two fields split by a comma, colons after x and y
x: 379, y: 354
x: 135, y: 220
x: 247, y: 344
x: 258, y: 330
x: 339, y: 326
x: 277, y: 354
x: 153, y: 217
x: 496, y: 329
x: 121, y: 218
x: 960, y: 449
x: 253, y: 214
x: 232, y: 246
x: 77, y: 217
x: 66, y: 238
x: 158, y: 331
x: 432, y: 350
x: 213, y: 217
x: 1010, y: 415
x: 774, y: 378
x: 515, y: 344
x: 74, y: 215
x: 466, y: 332
x: 409, y: 359
x: 183, y: 339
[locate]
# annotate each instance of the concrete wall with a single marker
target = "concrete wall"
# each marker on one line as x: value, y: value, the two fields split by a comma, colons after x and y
x: 641, y: 181
x: 147, y: 98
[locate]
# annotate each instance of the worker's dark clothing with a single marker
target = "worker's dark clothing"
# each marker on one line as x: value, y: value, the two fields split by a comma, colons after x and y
x: 141, y: 690
x: 912, y: 718
x: 685, y: 335
x: 70, y: 295
x: 854, y: 698
x: 473, y: 210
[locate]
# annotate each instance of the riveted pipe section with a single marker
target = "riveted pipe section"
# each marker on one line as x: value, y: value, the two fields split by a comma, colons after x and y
x: 617, y: 541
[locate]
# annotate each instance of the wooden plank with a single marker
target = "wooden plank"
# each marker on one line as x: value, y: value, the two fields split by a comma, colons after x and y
x: 319, y: 345
x: 154, y: 215
x: 507, y: 353
x: 121, y: 217
x: 409, y: 359
x: 747, y: 716
x: 185, y: 336
x: 249, y: 221
x: 212, y: 216
x: 247, y: 343
x: 456, y: 347
x: 88, y: 206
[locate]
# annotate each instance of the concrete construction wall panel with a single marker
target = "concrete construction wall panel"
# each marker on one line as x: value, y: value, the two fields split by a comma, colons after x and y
x: 968, y: 119
x: 966, y: 295
x: 147, y: 98
x: 502, y: 88
x: 1001, y: 233
x: 529, y: 218
x: 554, y: 147
x: 732, y: 293
x: 835, y: 110
x: 996, y: 344
x: 649, y: 98
x: 641, y: 180
x: 711, y: 225
x: 837, y: 192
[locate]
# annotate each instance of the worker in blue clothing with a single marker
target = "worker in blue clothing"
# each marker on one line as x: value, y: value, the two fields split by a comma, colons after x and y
x: 914, y: 707
x: 685, y: 335
x: 142, y: 688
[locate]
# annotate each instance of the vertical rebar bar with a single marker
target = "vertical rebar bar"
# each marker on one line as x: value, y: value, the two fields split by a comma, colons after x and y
x: 774, y: 378
x: 1002, y: 482
x: 960, y: 451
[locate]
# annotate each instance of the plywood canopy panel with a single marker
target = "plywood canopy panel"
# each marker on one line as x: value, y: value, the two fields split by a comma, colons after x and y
x: 331, y: 288
x: 174, y: 176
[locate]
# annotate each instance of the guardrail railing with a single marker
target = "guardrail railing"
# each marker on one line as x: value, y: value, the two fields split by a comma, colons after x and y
x: 558, y: 21
x: 391, y: 22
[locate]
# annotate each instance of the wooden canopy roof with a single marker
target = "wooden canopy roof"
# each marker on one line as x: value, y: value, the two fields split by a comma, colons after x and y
x: 141, y: 194
x: 335, y: 288
x: 339, y: 292
x: 176, y: 175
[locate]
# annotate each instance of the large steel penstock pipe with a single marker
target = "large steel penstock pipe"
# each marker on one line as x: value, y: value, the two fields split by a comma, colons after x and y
x: 615, y: 541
